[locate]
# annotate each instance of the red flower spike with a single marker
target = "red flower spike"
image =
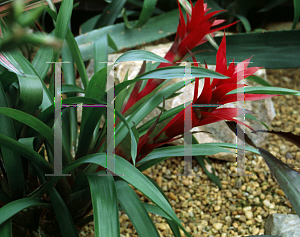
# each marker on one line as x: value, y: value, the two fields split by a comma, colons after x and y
x: 215, y: 93
x: 189, y: 35
x: 221, y: 61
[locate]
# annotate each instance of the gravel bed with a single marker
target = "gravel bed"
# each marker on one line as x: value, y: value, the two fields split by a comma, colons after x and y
x: 241, y: 208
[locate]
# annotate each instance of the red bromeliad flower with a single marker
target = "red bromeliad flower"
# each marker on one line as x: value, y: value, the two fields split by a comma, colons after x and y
x: 213, y: 93
x: 189, y: 35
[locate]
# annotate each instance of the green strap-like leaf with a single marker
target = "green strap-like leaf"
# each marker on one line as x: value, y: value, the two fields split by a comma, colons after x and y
x: 70, y: 79
x: 271, y: 49
x: 12, y: 208
x: 101, y: 55
x: 7, y: 78
x: 105, y: 205
x: 6, y: 228
x: 64, y: 218
x: 131, y: 175
x: 110, y: 13
x: 265, y: 90
x: 155, y: 210
x: 179, y: 72
x: 205, y: 163
x: 165, y: 115
x: 189, y: 150
x: 29, y: 70
x: 156, y: 28
x: 75, y: 51
x: 62, y: 22
x: 135, y: 210
x: 12, y: 160
x: 287, y: 178
x: 30, y: 93
x: 148, y: 7
x: 244, y: 21
x: 28, y: 153
x: 68, y: 88
x: 31, y: 121
x: 258, y: 80
x: 140, y: 55
x: 296, y: 13
x: 163, y: 153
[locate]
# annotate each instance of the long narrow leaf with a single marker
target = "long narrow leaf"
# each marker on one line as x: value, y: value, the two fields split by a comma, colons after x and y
x: 110, y: 13
x: 75, y: 51
x: 131, y: 175
x: 265, y: 46
x: 31, y: 121
x: 205, y: 163
x: 14, y: 207
x: 64, y: 218
x: 148, y: 7
x: 135, y: 210
x: 62, y: 21
x: 28, y: 153
x: 265, y: 90
x: 105, y: 205
x: 296, y: 13
x: 156, y: 28
x: 29, y: 70
x: 11, y: 159
x: 287, y: 178
x: 140, y: 55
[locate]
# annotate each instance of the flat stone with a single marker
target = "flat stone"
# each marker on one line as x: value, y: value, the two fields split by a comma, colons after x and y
x: 284, y: 225
x: 218, y: 226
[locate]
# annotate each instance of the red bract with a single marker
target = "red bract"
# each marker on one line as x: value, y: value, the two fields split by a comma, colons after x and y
x: 189, y: 35
x: 213, y: 93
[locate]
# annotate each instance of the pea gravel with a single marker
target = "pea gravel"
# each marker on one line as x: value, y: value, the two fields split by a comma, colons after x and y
x: 241, y: 208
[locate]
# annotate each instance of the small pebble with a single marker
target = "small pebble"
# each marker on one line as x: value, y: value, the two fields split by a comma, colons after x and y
x: 185, y: 182
x: 249, y: 215
x: 266, y: 202
x: 218, y: 226
x: 172, y: 196
x: 159, y: 181
x: 280, y: 192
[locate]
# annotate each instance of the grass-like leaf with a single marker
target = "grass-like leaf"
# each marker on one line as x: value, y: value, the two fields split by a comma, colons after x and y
x: 140, y: 55
x: 31, y: 121
x: 287, y: 178
x: 265, y: 90
x: 14, y: 207
x: 135, y: 210
x: 265, y: 46
x: 105, y: 205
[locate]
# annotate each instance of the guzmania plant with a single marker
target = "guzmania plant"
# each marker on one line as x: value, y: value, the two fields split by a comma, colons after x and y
x: 38, y: 197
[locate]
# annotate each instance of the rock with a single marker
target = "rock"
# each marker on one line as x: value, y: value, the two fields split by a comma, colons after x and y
x: 263, y: 109
x: 163, y: 226
x: 185, y: 182
x: 242, y: 218
x: 172, y: 196
x: 218, y: 226
x: 249, y: 215
x: 280, y: 192
x: 255, y: 230
x: 266, y: 202
x: 284, y: 225
x: 159, y: 181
